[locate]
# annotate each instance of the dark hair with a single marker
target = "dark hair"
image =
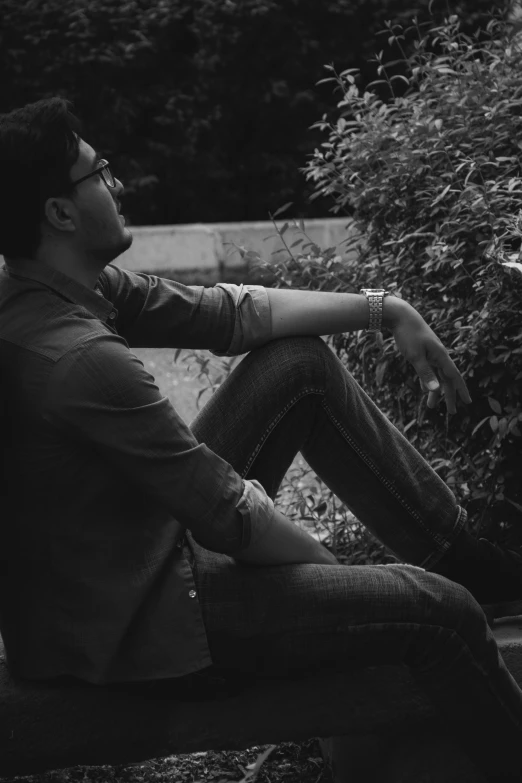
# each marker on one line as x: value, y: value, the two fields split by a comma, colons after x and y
x: 38, y: 147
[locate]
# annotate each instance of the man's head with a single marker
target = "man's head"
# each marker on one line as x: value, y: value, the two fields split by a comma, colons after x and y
x: 44, y: 215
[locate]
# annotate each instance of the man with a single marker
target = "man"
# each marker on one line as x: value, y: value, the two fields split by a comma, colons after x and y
x: 137, y: 548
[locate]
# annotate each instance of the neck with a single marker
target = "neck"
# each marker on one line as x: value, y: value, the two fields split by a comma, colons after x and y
x: 70, y: 264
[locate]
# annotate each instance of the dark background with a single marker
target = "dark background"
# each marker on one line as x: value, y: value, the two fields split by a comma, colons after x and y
x: 204, y: 107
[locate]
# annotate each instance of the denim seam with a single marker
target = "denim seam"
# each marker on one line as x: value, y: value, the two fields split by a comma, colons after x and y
x: 382, y: 479
x: 275, y: 422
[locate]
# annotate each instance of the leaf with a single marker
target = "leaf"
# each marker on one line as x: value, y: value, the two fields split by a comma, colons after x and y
x: 379, y: 373
x: 517, y: 505
x: 252, y: 255
x: 479, y: 425
x: 400, y: 76
x: 285, y: 228
x: 177, y: 353
x: 513, y: 265
x: 493, y: 423
x: 253, y: 769
x: 441, y: 195
x: 494, y: 405
x: 282, y: 209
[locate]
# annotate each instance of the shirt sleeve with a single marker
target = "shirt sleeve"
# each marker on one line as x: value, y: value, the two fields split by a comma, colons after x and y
x: 252, y: 319
x: 153, y: 312
x: 101, y: 393
x: 257, y: 510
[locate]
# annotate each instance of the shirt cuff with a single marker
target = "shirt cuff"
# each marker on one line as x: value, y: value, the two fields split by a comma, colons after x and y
x: 257, y: 510
x: 252, y: 323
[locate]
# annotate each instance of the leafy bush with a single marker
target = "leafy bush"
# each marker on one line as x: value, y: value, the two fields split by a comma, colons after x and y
x: 431, y: 180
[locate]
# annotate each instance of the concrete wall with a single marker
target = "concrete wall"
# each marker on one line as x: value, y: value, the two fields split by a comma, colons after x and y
x: 208, y: 246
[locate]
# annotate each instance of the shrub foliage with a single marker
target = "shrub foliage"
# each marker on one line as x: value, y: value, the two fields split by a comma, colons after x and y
x: 431, y: 180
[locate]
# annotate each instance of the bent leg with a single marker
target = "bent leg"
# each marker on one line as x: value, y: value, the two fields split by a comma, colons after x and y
x: 295, y: 395
x: 297, y: 620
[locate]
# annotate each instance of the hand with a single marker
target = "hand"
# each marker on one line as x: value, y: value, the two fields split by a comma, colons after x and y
x: 437, y: 371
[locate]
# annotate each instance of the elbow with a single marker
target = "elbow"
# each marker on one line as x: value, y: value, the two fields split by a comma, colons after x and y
x: 225, y: 538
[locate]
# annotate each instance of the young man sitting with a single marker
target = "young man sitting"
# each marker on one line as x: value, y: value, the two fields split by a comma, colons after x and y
x: 138, y: 548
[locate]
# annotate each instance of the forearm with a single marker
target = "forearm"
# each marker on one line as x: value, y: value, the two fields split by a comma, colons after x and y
x: 316, y: 313
x: 283, y: 543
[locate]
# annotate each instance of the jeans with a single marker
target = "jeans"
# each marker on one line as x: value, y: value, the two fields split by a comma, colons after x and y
x: 294, y: 395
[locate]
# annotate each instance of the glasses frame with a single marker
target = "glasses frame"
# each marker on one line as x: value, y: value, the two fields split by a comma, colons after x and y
x: 104, y: 171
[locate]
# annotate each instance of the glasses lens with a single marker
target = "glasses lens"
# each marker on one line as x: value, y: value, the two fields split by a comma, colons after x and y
x: 107, y: 176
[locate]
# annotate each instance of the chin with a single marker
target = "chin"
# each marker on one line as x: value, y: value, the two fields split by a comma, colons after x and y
x: 122, y: 244
x: 126, y: 240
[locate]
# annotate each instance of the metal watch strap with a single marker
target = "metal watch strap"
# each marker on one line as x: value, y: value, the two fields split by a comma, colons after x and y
x: 375, y: 298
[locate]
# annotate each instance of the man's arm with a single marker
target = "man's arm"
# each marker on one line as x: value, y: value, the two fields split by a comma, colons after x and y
x: 100, y: 393
x: 321, y: 312
x: 154, y: 312
x: 283, y: 542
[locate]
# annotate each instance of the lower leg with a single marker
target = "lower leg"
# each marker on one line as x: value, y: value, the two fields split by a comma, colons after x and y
x: 294, y: 395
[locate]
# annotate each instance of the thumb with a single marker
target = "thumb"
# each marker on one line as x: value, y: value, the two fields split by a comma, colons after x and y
x: 427, y: 377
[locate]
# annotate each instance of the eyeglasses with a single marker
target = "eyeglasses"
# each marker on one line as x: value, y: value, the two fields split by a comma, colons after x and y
x: 104, y: 171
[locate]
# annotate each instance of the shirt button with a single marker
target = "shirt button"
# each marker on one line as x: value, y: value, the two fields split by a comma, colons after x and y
x: 112, y: 315
x: 192, y: 594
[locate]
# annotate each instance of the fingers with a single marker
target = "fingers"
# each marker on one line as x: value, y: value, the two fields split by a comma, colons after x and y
x: 452, y: 377
x: 449, y: 383
x: 462, y: 389
x: 434, y: 397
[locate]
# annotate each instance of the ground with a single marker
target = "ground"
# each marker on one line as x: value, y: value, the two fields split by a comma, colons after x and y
x: 285, y: 763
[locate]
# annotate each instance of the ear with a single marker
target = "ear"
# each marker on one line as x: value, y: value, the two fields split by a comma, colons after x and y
x: 60, y: 214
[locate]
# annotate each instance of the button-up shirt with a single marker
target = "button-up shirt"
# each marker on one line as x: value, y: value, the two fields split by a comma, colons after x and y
x: 102, y: 476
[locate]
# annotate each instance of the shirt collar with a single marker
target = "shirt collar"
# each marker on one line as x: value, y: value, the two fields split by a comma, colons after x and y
x: 92, y: 299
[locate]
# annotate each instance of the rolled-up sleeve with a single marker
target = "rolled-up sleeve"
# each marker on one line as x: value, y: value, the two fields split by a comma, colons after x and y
x: 100, y: 393
x: 252, y: 321
x: 257, y: 510
x: 153, y: 312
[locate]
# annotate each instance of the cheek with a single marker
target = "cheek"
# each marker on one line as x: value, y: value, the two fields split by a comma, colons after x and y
x: 101, y: 216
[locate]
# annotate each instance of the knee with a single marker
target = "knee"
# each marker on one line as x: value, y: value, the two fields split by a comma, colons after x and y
x: 305, y: 355
x: 451, y: 605
x: 428, y: 598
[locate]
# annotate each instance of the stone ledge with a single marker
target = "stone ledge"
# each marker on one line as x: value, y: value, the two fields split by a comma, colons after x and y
x: 208, y: 247
x: 375, y: 708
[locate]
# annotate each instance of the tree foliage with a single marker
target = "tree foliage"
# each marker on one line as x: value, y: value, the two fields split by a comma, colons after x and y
x: 432, y: 181
x: 202, y: 106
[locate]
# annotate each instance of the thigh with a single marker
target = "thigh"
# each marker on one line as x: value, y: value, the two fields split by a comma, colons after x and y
x: 297, y: 619
x: 262, y: 414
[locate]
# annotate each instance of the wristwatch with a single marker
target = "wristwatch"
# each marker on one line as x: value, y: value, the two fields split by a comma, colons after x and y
x: 375, y: 298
